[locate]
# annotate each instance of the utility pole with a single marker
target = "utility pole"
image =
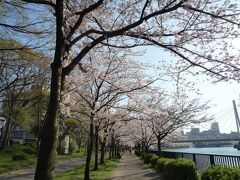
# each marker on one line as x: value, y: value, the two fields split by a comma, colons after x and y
x: 236, y: 115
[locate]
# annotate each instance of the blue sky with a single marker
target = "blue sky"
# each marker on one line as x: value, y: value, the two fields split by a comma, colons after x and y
x: 220, y: 94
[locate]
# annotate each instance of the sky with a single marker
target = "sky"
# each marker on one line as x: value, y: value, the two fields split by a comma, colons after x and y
x: 219, y: 94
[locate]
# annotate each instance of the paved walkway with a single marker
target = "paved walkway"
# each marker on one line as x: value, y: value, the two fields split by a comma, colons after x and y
x: 130, y: 168
x: 28, y: 174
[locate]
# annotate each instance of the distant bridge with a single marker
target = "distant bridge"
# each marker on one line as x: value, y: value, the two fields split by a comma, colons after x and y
x: 205, y: 140
x: 216, y: 139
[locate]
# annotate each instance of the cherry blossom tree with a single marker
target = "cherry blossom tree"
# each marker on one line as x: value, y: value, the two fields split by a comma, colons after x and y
x: 107, y: 81
x: 189, y: 29
x: 21, y: 71
x: 163, y: 114
x: 141, y: 135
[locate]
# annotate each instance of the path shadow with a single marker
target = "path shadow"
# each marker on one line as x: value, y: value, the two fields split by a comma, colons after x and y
x: 127, y: 175
x: 152, y: 176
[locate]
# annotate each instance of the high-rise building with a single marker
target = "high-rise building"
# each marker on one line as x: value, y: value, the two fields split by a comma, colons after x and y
x: 195, y: 131
x: 215, y: 127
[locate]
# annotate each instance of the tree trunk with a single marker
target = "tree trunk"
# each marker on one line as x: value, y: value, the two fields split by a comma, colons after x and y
x: 115, y: 149
x: 38, y: 122
x: 142, y: 148
x: 60, y: 138
x: 159, y: 146
x: 79, y: 142
x: 38, y: 143
x: 89, y: 152
x: 103, y: 145
x: 6, y: 136
x: 112, y: 146
x: 110, y: 151
x: 146, y: 149
x: 1, y: 137
x: 96, y: 149
x: 48, y: 145
x: 47, y: 151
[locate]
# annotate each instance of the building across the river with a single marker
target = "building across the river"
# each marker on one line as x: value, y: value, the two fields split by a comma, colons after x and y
x: 212, y: 133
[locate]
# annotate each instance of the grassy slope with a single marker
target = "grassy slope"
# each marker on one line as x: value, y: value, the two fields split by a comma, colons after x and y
x: 7, y: 164
x: 78, y: 173
x: 71, y: 156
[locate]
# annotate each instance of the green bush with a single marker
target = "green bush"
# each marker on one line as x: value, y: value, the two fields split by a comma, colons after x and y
x: 29, y: 149
x: 221, y: 173
x: 161, y: 163
x: 19, y: 157
x: 137, y: 153
x: 154, y: 160
x: 16, y: 148
x: 73, y: 146
x: 143, y: 155
x: 180, y: 169
x: 146, y: 157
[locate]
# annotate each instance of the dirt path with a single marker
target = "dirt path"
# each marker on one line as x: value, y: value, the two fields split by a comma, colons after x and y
x: 130, y: 168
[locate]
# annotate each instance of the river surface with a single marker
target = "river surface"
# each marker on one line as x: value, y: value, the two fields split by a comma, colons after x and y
x: 230, y: 151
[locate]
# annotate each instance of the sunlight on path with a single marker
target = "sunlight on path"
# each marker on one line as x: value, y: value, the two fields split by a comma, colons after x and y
x: 130, y: 168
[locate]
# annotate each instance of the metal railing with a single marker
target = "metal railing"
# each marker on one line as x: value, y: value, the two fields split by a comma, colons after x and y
x: 204, y: 161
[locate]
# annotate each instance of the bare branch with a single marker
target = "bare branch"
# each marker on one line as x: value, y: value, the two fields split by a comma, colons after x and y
x: 44, y: 2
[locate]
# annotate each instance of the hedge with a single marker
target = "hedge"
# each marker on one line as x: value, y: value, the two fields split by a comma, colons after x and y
x: 221, y: 173
x: 172, y: 169
x: 180, y: 169
x: 146, y: 157
x: 154, y: 160
x: 138, y: 153
x: 161, y: 164
x: 72, y: 146
x: 19, y: 157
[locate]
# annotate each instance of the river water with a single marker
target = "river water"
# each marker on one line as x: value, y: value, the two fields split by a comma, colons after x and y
x: 230, y: 151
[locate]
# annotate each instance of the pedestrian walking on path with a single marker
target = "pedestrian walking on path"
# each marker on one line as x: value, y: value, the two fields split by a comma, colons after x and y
x: 130, y: 168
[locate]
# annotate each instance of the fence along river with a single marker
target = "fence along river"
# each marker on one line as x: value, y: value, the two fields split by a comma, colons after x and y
x: 206, y: 157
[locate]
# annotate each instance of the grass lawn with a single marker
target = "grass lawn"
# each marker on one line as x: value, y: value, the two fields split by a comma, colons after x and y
x: 78, y: 173
x: 7, y: 164
x: 71, y: 156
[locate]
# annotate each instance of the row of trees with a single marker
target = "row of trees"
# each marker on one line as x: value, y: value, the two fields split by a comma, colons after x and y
x: 197, y: 33
x: 24, y: 85
x: 115, y: 93
x: 99, y: 105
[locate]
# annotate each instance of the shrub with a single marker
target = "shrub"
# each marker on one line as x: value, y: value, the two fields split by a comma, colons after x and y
x: 161, y: 163
x: 19, y: 157
x: 180, y: 169
x: 143, y: 155
x: 154, y: 159
x: 147, y: 158
x: 29, y: 149
x: 72, y: 146
x: 137, y: 153
x: 221, y: 173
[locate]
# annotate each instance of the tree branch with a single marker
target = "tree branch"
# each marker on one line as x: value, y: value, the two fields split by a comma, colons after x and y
x: 44, y: 2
